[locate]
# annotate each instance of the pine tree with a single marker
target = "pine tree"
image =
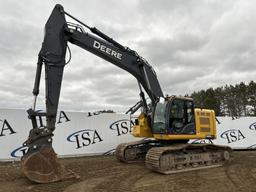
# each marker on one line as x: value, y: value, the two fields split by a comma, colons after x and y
x: 252, y: 97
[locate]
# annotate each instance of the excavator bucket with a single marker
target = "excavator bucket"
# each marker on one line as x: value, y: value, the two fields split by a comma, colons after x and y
x: 42, y: 166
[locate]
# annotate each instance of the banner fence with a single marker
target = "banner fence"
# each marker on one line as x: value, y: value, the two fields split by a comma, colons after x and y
x: 80, y: 133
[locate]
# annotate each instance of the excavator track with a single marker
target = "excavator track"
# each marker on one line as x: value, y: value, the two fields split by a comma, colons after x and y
x: 133, y: 151
x: 186, y: 157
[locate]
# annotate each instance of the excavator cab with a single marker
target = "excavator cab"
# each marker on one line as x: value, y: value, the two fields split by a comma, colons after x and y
x: 174, y: 116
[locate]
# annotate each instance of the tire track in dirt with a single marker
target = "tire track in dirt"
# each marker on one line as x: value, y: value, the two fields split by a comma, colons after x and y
x: 118, y: 178
x: 242, y: 177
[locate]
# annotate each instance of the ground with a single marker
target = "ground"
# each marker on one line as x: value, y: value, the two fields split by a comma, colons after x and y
x: 105, y: 173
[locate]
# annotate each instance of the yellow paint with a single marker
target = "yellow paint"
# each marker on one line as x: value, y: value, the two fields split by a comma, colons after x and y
x: 142, y: 129
x: 205, y: 127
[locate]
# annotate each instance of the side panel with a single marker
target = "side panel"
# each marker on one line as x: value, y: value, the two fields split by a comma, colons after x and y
x: 205, y: 123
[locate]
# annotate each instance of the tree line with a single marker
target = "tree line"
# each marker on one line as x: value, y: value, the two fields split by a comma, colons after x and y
x: 228, y: 100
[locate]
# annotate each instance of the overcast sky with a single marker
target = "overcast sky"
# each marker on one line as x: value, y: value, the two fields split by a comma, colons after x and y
x: 191, y: 44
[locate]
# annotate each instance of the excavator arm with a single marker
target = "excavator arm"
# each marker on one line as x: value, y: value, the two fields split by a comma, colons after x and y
x: 40, y: 163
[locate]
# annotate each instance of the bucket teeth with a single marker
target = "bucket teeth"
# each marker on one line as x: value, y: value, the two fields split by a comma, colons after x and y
x: 42, y: 166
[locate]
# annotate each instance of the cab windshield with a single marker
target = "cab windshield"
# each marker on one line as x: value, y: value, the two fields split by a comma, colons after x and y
x: 159, y: 118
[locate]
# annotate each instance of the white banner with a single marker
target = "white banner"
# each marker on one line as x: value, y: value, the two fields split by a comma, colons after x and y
x: 80, y: 133
x: 238, y: 133
x: 76, y: 133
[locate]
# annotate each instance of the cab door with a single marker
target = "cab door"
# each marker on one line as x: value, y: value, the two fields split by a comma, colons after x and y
x: 181, y: 119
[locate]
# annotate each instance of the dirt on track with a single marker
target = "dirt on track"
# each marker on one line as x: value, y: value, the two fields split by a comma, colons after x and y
x: 105, y: 173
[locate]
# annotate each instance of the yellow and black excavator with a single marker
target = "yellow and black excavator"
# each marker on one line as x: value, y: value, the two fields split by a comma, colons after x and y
x: 166, y: 124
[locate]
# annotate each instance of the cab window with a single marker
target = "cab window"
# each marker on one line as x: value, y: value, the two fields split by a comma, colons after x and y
x: 160, y: 118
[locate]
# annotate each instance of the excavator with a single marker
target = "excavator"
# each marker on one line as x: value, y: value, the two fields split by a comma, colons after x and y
x: 165, y: 124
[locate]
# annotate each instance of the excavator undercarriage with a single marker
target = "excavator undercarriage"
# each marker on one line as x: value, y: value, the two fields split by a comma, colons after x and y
x: 134, y: 151
x: 169, y: 158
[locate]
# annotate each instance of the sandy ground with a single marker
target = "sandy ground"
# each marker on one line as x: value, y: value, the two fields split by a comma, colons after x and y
x: 105, y: 173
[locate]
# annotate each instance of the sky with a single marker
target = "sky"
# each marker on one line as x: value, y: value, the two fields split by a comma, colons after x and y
x: 191, y: 44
